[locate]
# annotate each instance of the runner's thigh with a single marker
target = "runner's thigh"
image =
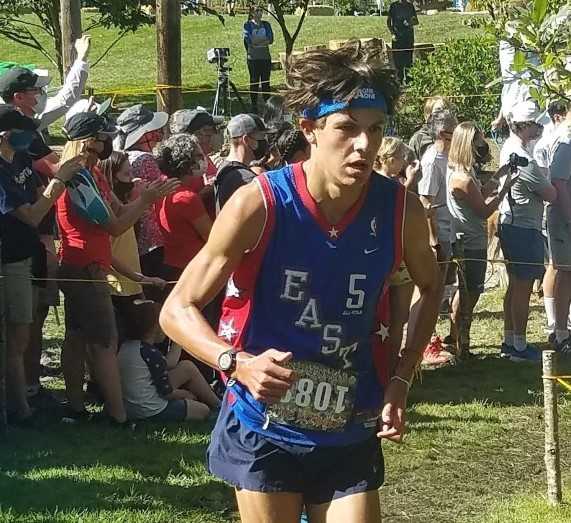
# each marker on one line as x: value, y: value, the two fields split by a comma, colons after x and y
x: 269, y: 507
x: 364, y: 507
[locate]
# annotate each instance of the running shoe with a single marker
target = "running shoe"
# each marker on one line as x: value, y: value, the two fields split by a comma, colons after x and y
x: 506, y: 350
x: 531, y: 353
x: 435, y: 355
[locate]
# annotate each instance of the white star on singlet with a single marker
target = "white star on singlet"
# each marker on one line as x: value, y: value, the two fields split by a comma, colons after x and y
x: 231, y: 290
x: 333, y: 232
x: 227, y: 330
x: 383, y: 332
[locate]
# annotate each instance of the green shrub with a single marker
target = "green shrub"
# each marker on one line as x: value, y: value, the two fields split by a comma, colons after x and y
x: 461, y: 69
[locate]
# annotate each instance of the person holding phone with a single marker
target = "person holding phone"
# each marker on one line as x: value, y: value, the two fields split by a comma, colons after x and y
x: 470, y: 204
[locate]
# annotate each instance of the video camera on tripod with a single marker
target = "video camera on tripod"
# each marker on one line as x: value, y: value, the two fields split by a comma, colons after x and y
x: 218, y: 55
x: 221, y: 106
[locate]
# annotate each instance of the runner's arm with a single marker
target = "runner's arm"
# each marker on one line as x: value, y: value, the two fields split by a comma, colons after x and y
x: 236, y: 230
x: 422, y: 267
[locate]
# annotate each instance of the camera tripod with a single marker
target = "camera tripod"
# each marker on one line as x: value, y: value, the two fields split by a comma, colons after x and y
x: 221, y: 105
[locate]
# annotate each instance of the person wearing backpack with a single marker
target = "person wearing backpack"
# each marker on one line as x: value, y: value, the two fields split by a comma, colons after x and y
x: 247, y: 135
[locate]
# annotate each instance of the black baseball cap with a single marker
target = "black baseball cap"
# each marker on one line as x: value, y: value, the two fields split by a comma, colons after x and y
x: 11, y: 118
x: 88, y: 125
x: 19, y: 79
x: 190, y: 121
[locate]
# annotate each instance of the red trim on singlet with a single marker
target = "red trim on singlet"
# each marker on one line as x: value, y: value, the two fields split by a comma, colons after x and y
x: 382, y: 350
x: 236, y: 311
x: 400, y: 208
x: 312, y: 207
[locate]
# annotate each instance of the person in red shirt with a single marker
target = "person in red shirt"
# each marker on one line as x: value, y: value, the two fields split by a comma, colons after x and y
x: 183, y: 219
x: 85, y: 255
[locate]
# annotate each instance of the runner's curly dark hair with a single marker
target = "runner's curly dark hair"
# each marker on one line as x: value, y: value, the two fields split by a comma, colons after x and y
x: 339, y: 74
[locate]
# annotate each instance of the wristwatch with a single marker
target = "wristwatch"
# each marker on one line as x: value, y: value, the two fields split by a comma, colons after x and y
x: 227, y: 361
x: 436, y: 246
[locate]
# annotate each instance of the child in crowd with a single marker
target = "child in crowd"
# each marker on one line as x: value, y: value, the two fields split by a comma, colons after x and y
x: 154, y: 387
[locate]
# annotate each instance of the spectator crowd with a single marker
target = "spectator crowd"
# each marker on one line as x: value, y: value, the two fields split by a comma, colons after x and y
x: 113, y: 221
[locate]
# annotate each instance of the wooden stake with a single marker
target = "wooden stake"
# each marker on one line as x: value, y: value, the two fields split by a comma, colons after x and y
x: 552, y: 463
x: 168, y: 55
x: 70, y: 13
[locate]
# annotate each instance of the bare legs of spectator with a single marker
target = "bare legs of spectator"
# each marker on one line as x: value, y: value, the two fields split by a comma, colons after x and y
x: 516, y: 306
x: 562, y: 301
x: 187, y: 376
x: 103, y: 363
x: 549, y: 296
x: 463, y: 305
x: 17, y: 337
x: 33, y: 354
x: 73, y: 357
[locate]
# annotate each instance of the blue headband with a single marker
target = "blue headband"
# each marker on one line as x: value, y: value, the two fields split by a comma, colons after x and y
x: 366, y: 98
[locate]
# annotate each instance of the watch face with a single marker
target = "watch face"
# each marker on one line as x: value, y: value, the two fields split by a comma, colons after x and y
x: 225, y: 361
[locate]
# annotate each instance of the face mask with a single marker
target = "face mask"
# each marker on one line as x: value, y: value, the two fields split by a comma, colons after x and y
x: 107, y: 150
x: 482, y: 153
x: 21, y: 140
x: 201, y: 169
x: 261, y: 149
x: 41, y: 101
x: 123, y: 189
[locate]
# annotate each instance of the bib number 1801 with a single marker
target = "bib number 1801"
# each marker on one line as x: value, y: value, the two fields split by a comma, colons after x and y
x: 323, y: 396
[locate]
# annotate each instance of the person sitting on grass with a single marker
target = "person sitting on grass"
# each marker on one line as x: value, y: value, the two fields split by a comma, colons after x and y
x: 154, y: 387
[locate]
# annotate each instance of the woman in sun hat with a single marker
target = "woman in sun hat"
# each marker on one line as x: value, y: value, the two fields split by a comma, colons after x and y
x: 140, y: 130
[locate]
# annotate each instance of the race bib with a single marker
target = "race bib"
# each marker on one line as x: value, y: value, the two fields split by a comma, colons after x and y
x: 321, y: 399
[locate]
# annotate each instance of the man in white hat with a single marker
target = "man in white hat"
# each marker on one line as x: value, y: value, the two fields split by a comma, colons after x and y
x: 521, y: 215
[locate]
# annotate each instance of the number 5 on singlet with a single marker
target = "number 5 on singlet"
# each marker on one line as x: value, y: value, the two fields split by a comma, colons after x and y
x: 321, y: 399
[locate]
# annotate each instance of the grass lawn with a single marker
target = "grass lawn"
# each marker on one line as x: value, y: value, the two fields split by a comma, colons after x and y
x: 131, y: 64
x: 474, y: 454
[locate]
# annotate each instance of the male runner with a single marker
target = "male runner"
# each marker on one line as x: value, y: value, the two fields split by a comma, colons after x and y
x: 306, y: 253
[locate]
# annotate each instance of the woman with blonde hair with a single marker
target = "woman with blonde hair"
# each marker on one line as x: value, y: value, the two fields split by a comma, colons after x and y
x: 423, y: 139
x: 396, y: 160
x: 86, y: 222
x: 470, y: 204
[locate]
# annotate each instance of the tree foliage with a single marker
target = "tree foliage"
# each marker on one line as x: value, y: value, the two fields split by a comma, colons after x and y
x: 22, y: 21
x: 459, y: 70
x: 540, y: 31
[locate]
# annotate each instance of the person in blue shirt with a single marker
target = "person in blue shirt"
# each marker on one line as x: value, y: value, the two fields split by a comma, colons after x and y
x: 306, y: 253
x: 258, y: 36
x: 24, y: 202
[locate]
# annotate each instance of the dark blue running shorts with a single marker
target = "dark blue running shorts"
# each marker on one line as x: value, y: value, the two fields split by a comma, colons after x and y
x: 247, y: 460
x: 525, y: 249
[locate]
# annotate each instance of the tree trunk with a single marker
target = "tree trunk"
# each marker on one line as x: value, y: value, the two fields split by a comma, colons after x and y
x: 70, y: 20
x: 168, y: 17
x: 552, y: 463
x: 55, y: 23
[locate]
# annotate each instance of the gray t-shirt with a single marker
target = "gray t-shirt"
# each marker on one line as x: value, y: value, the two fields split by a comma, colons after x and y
x: 525, y: 207
x: 433, y: 184
x: 468, y: 226
x: 560, y: 167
